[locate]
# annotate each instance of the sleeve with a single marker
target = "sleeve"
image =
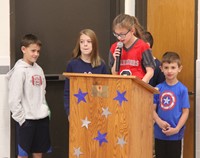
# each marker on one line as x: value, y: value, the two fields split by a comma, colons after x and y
x: 15, y: 93
x: 185, y: 98
x: 66, y: 90
x: 44, y: 93
x: 110, y: 57
x: 156, y: 100
x: 104, y: 71
x: 147, y: 59
x: 111, y: 60
x: 66, y: 96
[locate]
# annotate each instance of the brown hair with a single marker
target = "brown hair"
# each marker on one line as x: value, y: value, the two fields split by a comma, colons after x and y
x: 128, y: 22
x: 95, y: 58
x: 30, y: 39
x: 170, y: 57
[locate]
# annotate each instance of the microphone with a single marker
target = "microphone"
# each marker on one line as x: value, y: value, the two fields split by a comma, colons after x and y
x: 118, y: 58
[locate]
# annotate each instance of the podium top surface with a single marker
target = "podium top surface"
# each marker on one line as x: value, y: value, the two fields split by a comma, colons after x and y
x: 134, y: 78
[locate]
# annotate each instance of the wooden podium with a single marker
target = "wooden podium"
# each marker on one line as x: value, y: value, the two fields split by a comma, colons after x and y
x: 110, y: 116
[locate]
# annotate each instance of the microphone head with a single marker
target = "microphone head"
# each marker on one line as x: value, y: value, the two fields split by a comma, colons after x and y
x: 119, y: 44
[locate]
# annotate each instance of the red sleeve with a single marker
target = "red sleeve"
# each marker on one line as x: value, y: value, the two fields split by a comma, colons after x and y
x: 113, y: 47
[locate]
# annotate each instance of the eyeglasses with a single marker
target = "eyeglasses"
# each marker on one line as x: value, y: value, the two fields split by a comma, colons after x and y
x: 121, y: 35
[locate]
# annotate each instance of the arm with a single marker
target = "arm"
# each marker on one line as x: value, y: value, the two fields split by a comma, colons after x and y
x: 181, y: 123
x: 112, y: 61
x: 183, y: 119
x: 161, y: 123
x: 113, y: 69
x: 148, y: 75
x: 149, y: 64
x: 44, y: 93
x: 15, y: 93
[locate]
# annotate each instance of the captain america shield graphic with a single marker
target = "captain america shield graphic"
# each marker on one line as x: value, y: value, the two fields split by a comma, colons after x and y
x: 168, y: 100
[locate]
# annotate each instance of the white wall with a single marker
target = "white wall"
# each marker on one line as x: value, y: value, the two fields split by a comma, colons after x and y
x: 130, y: 7
x: 5, y: 33
x: 4, y: 66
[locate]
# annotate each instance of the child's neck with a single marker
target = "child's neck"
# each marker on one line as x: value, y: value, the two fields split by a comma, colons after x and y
x: 28, y: 62
x: 172, y: 82
x: 86, y: 58
x: 130, y: 42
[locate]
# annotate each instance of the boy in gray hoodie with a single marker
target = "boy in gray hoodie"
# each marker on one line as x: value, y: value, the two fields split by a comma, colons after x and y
x: 26, y: 84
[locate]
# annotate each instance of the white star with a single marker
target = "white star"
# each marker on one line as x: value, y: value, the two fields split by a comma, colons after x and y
x: 77, y: 152
x: 106, y: 112
x: 166, y: 100
x: 121, y: 141
x: 85, y: 122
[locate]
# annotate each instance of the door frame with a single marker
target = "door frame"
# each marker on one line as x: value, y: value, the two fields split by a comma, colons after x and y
x: 141, y: 14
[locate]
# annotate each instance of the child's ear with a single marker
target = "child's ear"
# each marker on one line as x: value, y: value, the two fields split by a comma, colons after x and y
x: 160, y: 68
x: 23, y: 49
x: 133, y: 31
x: 180, y: 68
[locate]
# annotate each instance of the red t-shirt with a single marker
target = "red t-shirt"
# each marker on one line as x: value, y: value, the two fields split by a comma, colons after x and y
x: 131, y: 62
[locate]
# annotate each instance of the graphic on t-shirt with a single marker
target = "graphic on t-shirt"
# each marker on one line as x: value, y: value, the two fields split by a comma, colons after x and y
x: 126, y: 72
x: 168, y: 100
x: 37, y: 80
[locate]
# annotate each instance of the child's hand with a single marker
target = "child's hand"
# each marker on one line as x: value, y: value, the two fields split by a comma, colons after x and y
x: 170, y: 131
x: 163, y: 125
x: 116, y: 53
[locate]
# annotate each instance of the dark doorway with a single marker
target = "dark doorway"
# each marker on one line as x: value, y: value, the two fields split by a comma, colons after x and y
x: 57, y: 24
x: 141, y: 12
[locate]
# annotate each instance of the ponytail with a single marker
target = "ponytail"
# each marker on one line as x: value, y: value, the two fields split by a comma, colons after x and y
x: 139, y: 30
x: 129, y: 22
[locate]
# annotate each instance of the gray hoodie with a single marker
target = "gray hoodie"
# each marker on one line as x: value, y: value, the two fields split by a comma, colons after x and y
x: 26, y: 85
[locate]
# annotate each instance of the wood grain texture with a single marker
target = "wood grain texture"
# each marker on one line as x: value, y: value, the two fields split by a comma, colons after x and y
x: 131, y: 120
x: 172, y: 24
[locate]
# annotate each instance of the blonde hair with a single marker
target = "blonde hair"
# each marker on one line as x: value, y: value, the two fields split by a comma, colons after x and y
x: 128, y: 22
x: 95, y: 58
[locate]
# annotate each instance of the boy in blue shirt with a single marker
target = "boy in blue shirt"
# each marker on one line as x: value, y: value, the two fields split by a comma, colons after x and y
x: 171, y: 109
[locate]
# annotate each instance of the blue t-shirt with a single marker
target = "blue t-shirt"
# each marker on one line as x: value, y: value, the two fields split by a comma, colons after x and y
x: 169, y: 105
x: 79, y: 66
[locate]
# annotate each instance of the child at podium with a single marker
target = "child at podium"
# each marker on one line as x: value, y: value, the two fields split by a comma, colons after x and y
x: 85, y: 59
x: 131, y: 54
x: 171, y: 109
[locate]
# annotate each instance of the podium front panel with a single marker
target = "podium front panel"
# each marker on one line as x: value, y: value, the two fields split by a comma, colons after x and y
x: 110, y: 118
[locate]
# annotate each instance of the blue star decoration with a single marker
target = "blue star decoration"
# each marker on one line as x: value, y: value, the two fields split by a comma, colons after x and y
x: 81, y: 96
x: 120, y: 97
x: 101, y: 138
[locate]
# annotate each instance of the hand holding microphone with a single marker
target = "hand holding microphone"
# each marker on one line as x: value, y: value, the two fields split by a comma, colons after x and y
x: 118, y: 58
